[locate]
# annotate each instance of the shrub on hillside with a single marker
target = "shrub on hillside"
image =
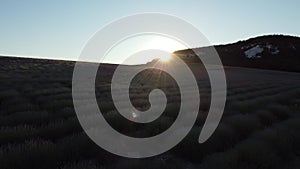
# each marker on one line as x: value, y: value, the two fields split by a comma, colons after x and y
x: 279, y: 138
x: 76, y: 147
x: 266, y: 117
x: 248, y: 154
x: 60, y: 128
x: 26, y: 117
x: 33, y: 154
x: 56, y: 105
x: 17, y: 133
x: 223, y: 138
x: 243, y: 124
x: 85, y: 164
x: 8, y: 93
x: 254, y: 153
x: 280, y: 111
x: 222, y: 160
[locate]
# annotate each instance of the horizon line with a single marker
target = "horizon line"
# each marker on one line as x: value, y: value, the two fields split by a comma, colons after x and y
x: 74, y: 60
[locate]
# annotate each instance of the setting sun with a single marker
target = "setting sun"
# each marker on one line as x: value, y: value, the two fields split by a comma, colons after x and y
x: 165, y: 44
x: 165, y: 58
x: 128, y: 47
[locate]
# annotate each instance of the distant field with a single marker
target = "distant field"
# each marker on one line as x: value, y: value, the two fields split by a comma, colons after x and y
x: 39, y: 128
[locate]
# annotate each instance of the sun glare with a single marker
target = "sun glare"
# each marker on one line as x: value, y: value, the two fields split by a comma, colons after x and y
x: 125, y: 49
x: 165, y: 58
x: 165, y: 44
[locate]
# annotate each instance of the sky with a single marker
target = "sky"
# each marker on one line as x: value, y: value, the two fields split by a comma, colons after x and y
x: 60, y: 29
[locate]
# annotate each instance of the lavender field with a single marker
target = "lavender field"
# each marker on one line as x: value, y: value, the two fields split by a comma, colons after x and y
x: 39, y: 128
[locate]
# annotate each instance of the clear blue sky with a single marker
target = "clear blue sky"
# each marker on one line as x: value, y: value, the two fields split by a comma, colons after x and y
x: 59, y: 29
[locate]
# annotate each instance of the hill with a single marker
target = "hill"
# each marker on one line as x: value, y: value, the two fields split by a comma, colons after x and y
x: 275, y: 52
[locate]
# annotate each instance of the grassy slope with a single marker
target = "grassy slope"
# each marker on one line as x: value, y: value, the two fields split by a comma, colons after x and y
x: 39, y: 128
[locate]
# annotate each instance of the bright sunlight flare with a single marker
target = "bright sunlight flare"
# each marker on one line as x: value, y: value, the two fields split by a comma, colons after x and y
x: 165, y: 58
x: 128, y: 47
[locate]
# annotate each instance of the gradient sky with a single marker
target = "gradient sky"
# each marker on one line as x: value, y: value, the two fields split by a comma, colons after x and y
x: 59, y: 29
